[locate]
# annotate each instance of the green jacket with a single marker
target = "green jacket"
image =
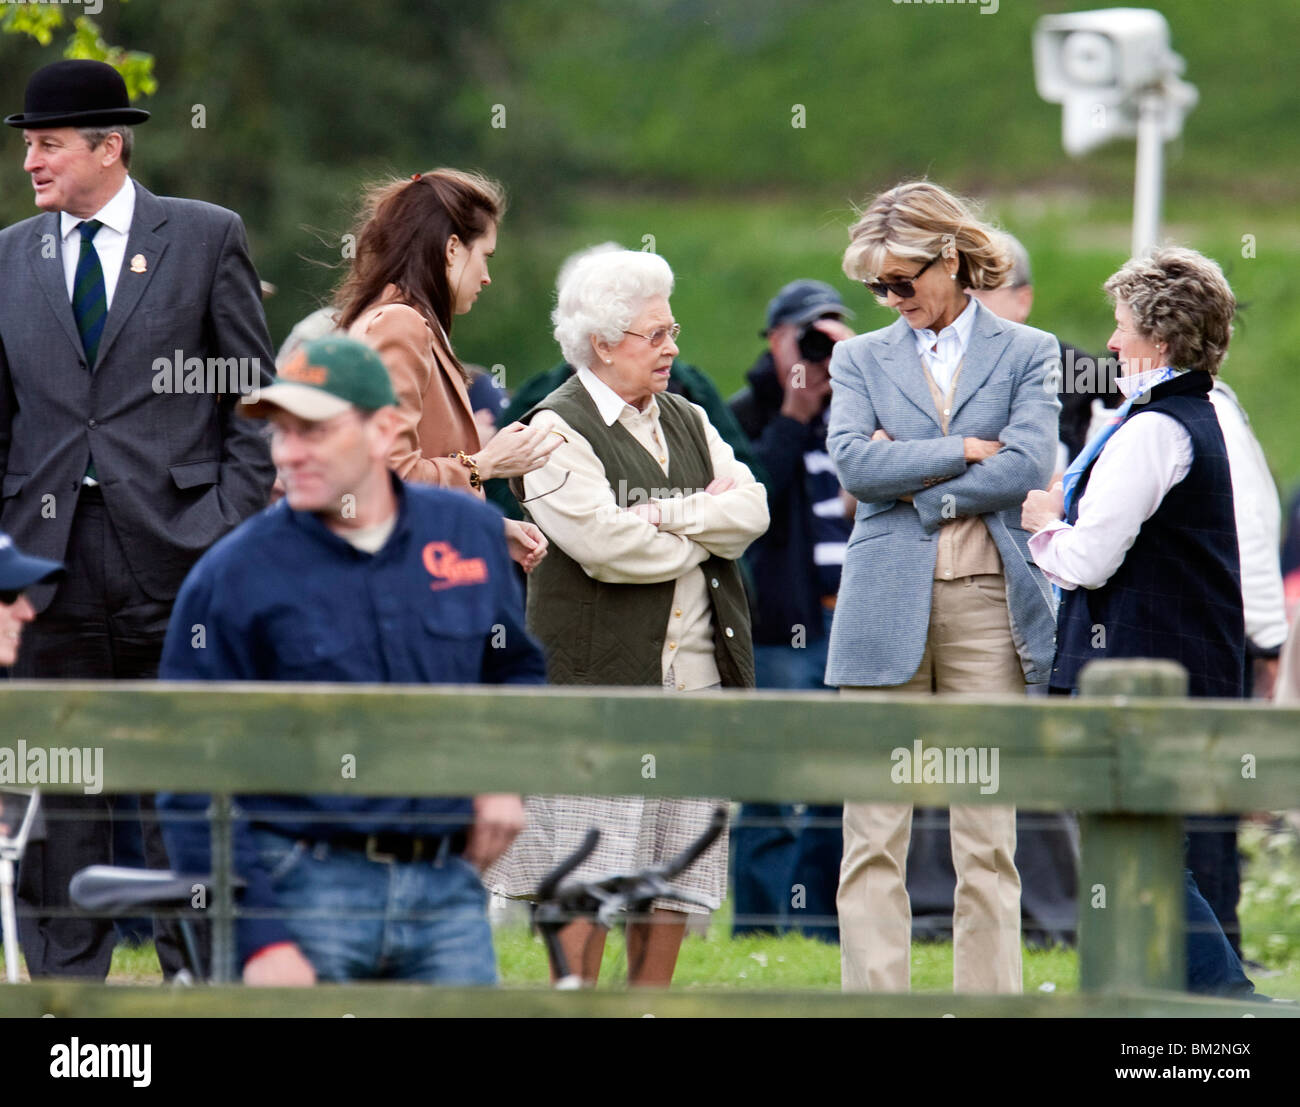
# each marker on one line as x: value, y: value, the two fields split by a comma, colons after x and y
x: 599, y: 633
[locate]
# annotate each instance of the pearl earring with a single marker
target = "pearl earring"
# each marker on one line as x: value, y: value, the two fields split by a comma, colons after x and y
x: 609, y: 361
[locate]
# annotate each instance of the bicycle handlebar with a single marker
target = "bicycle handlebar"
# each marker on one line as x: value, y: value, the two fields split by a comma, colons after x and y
x: 687, y: 857
x: 605, y: 896
x: 605, y: 899
x: 546, y: 890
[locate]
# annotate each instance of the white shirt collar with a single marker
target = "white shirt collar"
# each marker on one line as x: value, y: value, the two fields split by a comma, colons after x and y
x: 116, y: 214
x: 608, y: 402
x: 958, y: 329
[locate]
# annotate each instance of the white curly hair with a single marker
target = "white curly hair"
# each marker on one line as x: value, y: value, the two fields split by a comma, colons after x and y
x: 600, y: 291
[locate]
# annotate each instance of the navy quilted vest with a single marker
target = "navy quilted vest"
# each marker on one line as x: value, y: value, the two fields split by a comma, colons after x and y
x: 1177, y: 594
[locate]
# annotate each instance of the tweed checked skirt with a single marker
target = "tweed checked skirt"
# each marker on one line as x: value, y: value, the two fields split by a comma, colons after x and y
x: 635, y: 832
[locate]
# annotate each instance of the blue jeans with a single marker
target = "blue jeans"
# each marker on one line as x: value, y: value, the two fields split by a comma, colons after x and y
x: 787, y: 869
x: 356, y: 919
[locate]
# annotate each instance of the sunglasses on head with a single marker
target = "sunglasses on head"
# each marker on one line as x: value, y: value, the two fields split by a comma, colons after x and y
x: 904, y: 290
x: 9, y: 596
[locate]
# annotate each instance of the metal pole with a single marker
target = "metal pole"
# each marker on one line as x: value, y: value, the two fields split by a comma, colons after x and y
x: 8, y: 921
x: 223, y: 900
x: 1149, y: 183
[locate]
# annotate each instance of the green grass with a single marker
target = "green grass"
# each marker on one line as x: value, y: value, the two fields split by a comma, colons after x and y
x: 789, y: 963
x: 1270, y: 908
x: 1270, y: 895
x: 793, y: 963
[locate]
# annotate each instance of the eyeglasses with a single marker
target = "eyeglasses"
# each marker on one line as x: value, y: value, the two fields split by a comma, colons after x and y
x: 656, y: 337
x: 539, y: 495
x: 10, y: 596
x: 904, y: 290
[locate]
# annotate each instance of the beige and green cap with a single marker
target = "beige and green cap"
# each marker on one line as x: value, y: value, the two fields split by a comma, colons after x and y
x: 325, y: 378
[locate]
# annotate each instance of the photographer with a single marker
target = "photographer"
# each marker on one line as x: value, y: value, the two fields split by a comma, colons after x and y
x: 796, y: 572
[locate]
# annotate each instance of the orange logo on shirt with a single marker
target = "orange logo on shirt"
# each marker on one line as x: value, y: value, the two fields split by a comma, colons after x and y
x: 449, y: 569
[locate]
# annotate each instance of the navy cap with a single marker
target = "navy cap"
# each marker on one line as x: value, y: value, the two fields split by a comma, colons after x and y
x: 19, y: 570
x: 802, y: 302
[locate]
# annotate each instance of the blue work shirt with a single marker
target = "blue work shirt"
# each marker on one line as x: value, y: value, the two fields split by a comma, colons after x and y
x: 283, y: 598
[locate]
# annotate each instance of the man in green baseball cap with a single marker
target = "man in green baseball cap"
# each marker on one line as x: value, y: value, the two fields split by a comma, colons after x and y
x: 326, y: 377
x: 331, y: 407
x: 357, y: 577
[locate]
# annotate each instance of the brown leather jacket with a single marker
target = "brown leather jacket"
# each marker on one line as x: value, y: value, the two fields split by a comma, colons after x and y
x: 433, y: 399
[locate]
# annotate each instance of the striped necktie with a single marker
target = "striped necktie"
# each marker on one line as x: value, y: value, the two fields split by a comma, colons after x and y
x: 89, y: 297
x: 89, y: 303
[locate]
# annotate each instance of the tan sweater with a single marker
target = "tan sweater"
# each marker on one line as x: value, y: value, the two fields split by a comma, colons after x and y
x: 966, y: 548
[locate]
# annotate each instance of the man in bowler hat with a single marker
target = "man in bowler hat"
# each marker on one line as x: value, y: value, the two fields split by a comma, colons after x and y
x: 107, y: 465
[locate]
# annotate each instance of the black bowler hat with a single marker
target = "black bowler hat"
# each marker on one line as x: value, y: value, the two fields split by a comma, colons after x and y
x: 76, y: 93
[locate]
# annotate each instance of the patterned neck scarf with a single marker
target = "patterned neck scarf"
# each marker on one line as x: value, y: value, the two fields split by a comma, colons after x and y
x: 1135, y: 388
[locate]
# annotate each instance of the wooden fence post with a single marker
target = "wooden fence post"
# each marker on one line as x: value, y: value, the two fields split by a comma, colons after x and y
x: 1132, y: 922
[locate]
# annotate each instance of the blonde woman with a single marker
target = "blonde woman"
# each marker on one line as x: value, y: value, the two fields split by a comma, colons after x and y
x: 940, y: 424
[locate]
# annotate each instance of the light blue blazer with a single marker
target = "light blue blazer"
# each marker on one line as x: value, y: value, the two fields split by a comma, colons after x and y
x: 1006, y: 392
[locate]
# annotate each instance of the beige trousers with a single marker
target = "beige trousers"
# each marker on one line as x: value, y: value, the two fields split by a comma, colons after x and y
x: 968, y: 649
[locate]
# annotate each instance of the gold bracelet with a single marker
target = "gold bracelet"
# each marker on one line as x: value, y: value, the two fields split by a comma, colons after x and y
x: 475, y: 481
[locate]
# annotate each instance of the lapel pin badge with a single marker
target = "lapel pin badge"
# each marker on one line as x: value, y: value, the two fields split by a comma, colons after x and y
x: 138, y: 264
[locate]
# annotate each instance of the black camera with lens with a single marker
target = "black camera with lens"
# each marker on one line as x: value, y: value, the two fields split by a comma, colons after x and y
x: 815, y: 344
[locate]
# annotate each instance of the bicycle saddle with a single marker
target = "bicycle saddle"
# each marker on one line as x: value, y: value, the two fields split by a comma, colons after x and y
x: 114, y: 889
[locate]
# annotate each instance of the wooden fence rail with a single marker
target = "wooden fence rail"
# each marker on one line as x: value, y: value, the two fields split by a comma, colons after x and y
x: 1131, y: 755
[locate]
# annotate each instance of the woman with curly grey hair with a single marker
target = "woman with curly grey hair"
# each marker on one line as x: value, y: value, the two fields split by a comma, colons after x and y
x: 647, y: 511
x: 1140, y: 536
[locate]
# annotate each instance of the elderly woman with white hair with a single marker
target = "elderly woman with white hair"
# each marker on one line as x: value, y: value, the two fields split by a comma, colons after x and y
x: 647, y: 511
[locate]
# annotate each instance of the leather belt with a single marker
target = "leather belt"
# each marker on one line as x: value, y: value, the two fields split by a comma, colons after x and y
x: 405, y: 848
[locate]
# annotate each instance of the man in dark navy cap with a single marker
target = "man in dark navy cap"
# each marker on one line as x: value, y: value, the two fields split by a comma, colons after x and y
x: 106, y: 463
x: 786, y: 862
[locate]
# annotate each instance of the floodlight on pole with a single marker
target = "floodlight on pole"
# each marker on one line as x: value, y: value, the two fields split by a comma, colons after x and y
x: 1115, y: 76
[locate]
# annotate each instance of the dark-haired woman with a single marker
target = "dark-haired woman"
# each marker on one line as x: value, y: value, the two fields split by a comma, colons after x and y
x: 422, y: 257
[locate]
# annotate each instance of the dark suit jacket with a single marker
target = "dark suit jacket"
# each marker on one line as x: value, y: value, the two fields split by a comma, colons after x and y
x: 178, y: 470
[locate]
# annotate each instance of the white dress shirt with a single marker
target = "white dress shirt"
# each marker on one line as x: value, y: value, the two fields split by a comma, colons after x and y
x: 1259, y: 523
x: 942, y: 352
x: 109, y: 241
x: 576, y: 508
x: 1134, y: 472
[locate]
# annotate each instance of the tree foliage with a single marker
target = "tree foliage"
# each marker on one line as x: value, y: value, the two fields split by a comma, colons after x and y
x: 43, y: 22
